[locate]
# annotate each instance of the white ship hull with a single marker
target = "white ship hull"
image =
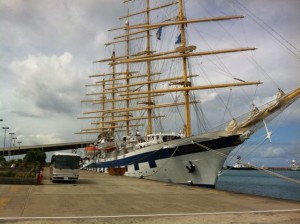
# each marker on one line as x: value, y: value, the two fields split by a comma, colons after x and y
x: 169, y: 162
x: 173, y: 170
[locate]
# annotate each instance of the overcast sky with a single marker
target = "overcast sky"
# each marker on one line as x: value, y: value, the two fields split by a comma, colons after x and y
x: 47, y: 48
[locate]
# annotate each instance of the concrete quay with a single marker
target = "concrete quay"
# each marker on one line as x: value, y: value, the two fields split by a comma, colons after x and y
x: 100, y: 198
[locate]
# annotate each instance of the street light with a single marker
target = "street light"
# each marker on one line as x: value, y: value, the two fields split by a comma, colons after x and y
x: 5, y: 128
x: 11, y: 134
x: 19, y: 150
x: 14, y: 138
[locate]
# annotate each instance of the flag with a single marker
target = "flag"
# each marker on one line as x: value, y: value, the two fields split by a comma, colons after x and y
x: 158, y: 33
x: 178, y: 41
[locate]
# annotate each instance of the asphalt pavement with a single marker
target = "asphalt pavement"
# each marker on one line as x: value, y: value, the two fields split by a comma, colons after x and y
x: 100, y: 198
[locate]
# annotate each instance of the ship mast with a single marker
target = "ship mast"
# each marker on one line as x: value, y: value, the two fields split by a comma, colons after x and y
x: 144, y: 82
x: 113, y: 93
x: 149, y: 130
x: 127, y: 78
x: 103, y: 107
x: 185, y: 78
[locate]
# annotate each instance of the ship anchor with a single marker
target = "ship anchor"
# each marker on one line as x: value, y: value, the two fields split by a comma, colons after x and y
x: 191, y: 168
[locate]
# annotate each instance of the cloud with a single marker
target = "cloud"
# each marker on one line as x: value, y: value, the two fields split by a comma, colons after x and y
x: 47, y: 84
x: 206, y: 96
x: 100, y: 38
x: 272, y: 152
x: 42, y: 138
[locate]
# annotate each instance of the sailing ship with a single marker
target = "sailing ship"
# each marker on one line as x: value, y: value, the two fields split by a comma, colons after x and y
x: 148, y: 88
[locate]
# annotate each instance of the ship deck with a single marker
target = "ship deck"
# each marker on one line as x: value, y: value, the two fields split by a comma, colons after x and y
x: 100, y: 198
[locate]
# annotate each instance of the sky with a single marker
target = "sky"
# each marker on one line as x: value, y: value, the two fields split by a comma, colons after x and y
x: 47, y: 48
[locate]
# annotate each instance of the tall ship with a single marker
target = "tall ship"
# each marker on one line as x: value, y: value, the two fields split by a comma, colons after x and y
x: 148, y: 99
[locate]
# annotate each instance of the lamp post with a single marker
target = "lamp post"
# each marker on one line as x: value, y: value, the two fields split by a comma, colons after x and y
x: 19, y: 150
x: 14, y: 138
x: 11, y: 134
x: 1, y: 120
x: 5, y: 128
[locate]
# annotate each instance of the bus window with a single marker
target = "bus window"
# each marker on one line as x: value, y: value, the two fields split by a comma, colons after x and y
x: 67, y: 162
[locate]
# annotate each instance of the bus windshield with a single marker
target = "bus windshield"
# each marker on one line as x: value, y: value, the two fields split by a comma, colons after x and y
x: 66, y: 162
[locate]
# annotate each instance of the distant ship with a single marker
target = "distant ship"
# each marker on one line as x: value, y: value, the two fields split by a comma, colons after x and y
x: 149, y: 87
x: 294, y: 165
x: 240, y: 165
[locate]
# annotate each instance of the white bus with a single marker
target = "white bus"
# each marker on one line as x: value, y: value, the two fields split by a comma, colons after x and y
x: 64, y: 166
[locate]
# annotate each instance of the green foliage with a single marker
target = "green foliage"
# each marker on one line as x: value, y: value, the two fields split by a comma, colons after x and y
x: 20, y: 161
x: 35, y: 158
x: 2, y: 161
x: 7, y: 174
x: 17, y: 174
x: 25, y: 175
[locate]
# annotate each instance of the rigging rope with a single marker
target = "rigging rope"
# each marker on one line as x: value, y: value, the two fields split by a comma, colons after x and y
x: 229, y: 97
x: 241, y: 148
x: 251, y: 58
x: 249, y: 165
x: 218, y: 95
x: 265, y: 26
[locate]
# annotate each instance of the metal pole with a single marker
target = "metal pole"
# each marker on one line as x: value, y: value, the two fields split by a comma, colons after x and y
x: 5, y: 128
x: 9, y: 151
x: 14, y: 145
x: 1, y: 120
x: 19, y: 150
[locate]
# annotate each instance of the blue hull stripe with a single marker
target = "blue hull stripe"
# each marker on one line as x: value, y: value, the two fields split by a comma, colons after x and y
x: 136, y: 159
x: 151, y: 157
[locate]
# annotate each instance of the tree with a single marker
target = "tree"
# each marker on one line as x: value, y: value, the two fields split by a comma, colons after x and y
x: 36, y: 158
x: 2, y: 161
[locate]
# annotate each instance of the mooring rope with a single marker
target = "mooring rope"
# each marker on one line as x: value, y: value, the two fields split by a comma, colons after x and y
x: 249, y: 165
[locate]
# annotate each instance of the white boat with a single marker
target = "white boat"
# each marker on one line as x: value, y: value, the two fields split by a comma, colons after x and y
x: 294, y: 165
x: 135, y: 90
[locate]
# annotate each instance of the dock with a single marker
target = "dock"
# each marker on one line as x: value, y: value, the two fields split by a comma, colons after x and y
x: 101, y: 198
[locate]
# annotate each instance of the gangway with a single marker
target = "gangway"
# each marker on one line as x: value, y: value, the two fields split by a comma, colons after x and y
x: 86, y: 164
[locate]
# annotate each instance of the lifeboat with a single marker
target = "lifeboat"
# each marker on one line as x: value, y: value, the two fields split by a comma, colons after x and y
x: 107, y: 146
x: 91, y: 150
x: 110, y: 148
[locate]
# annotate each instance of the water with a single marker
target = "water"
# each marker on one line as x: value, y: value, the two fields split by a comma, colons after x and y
x: 260, y: 183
